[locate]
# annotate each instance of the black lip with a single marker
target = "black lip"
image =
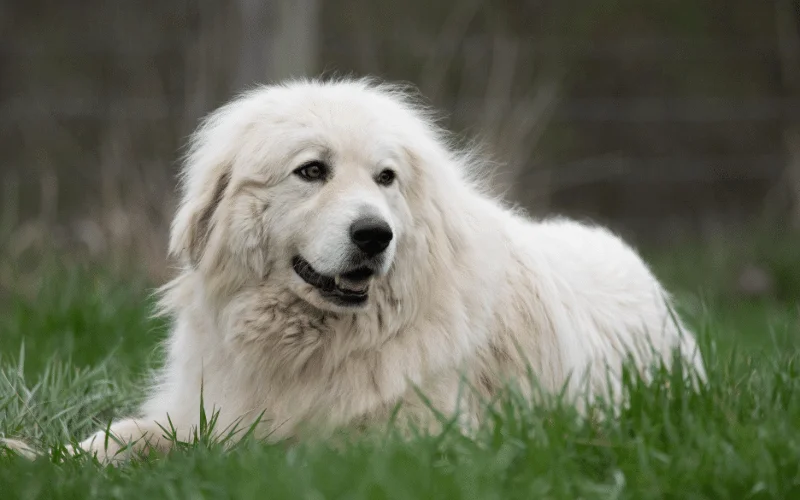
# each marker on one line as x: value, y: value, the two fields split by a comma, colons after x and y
x: 327, y: 285
x: 359, y: 274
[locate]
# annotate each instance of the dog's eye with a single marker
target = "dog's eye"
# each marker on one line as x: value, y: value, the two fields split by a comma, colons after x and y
x: 313, y: 171
x: 385, y: 178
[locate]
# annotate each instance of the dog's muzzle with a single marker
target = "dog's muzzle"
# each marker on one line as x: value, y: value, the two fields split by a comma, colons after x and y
x: 370, y: 236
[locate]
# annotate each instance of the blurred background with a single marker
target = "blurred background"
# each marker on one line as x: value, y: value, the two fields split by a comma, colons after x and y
x: 677, y: 123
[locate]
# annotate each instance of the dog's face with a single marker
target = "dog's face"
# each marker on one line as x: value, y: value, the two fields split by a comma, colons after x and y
x: 336, y: 212
x: 304, y: 185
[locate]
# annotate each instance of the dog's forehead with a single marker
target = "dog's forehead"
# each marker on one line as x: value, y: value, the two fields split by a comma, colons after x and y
x: 339, y: 106
x: 347, y: 128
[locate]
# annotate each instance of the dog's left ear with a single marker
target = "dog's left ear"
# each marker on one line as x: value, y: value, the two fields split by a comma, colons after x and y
x: 195, y: 219
x: 205, y: 177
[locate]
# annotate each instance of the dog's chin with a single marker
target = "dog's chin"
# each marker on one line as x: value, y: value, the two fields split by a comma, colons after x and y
x: 345, y: 292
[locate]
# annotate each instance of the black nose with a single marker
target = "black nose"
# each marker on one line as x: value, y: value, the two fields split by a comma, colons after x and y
x: 371, y: 235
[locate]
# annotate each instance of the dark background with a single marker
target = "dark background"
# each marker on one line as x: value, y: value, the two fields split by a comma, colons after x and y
x: 667, y: 120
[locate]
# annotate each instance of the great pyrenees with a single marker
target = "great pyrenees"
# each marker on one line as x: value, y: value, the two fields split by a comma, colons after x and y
x: 339, y: 258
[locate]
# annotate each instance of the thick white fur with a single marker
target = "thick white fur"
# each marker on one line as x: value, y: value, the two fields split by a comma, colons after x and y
x: 469, y: 287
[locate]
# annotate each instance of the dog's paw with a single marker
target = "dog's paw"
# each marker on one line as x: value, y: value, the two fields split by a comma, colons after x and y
x: 18, y: 447
x: 108, y: 449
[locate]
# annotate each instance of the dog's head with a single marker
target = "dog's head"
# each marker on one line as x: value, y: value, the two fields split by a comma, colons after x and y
x: 308, y: 184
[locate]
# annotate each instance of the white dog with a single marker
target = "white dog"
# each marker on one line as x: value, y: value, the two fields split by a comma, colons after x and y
x: 337, y: 258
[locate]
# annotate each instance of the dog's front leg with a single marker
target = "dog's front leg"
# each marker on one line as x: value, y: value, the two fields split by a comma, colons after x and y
x: 127, y: 437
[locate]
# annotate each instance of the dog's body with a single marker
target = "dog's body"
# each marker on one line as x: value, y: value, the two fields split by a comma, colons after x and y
x: 336, y: 256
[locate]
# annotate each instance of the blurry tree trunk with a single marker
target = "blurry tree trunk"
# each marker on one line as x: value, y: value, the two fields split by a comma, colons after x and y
x: 787, y: 22
x: 241, y: 44
x: 278, y: 40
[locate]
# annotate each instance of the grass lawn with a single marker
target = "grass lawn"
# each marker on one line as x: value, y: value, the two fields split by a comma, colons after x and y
x: 74, y: 354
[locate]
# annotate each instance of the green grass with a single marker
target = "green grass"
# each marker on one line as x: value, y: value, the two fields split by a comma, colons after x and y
x: 74, y: 353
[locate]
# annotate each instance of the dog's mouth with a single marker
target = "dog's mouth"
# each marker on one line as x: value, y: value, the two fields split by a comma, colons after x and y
x: 350, y: 288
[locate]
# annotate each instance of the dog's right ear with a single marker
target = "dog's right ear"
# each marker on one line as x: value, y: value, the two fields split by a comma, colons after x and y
x: 203, y: 190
